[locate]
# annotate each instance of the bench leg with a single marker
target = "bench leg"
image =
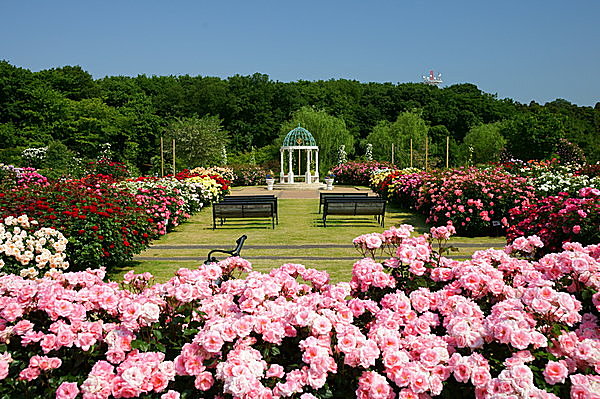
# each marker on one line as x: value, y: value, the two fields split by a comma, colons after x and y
x: 324, y: 221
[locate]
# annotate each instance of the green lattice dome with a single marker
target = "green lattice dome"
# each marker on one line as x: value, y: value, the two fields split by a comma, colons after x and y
x: 299, y: 137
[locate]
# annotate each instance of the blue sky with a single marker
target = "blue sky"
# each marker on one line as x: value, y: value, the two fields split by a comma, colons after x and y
x: 525, y: 50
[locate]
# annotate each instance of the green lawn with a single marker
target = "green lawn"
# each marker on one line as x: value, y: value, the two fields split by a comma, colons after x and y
x: 299, y: 225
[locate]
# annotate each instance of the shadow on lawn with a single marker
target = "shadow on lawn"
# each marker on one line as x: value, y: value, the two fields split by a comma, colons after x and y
x: 116, y: 273
x: 396, y: 216
x: 347, y: 222
x: 245, y: 224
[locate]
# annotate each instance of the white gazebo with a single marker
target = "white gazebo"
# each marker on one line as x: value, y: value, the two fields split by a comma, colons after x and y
x: 297, y: 142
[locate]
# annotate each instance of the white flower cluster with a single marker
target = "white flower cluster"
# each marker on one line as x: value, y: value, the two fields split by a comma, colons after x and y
x: 369, y: 153
x: 552, y: 182
x: 34, y: 154
x: 342, y: 156
x: 105, y: 152
x: 42, y: 249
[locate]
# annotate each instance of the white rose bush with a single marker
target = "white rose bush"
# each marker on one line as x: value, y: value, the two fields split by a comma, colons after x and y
x: 29, y: 250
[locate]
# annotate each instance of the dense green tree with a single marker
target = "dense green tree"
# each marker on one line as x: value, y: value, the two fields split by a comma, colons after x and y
x: 59, y: 160
x: 71, y: 81
x: 9, y: 136
x: 533, y: 135
x: 137, y: 133
x: 66, y: 104
x: 250, y: 118
x: 486, y: 142
x: 88, y: 124
x: 14, y: 84
x: 579, y: 122
x: 117, y: 91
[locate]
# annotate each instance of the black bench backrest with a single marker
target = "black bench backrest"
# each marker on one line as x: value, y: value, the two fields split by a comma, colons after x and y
x: 253, y: 198
x: 355, y: 206
x: 325, y: 196
x: 244, y: 209
x: 322, y: 196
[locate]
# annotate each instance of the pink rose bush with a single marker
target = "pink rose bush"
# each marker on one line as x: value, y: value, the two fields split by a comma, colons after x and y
x: 410, y: 324
x: 471, y: 198
x: 476, y: 201
x: 399, y: 186
x: 11, y: 176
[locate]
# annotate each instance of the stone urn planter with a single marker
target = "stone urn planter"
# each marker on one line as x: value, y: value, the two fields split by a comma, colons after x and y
x: 270, y: 181
x: 329, y: 182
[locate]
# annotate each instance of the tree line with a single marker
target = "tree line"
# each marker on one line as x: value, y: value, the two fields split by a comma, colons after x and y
x: 250, y: 114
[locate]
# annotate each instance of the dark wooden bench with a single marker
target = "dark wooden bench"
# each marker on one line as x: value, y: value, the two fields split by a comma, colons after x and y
x: 243, y: 209
x: 323, y: 196
x: 244, y: 198
x: 354, y: 207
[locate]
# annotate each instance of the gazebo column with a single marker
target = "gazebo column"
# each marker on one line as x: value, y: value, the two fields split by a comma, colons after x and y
x: 307, y: 178
x: 317, y: 165
x: 281, y: 174
x: 290, y: 170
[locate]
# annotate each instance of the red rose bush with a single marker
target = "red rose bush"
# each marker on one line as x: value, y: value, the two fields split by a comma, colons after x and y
x: 558, y: 219
x: 410, y: 324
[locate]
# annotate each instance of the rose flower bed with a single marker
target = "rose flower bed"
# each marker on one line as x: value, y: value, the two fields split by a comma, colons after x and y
x: 108, y: 220
x: 558, y: 219
x: 28, y: 250
x: 105, y: 226
x: 399, y: 186
x: 471, y: 198
x: 413, y: 326
x: 354, y: 172
x: 171, y: 199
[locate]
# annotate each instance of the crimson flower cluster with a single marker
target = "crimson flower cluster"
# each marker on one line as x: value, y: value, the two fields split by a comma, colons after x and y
x: 558, y: 219
x: 107, y: 167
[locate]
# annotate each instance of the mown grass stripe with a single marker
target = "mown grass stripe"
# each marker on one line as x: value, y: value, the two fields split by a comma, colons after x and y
x: 301, y: 246
x: 262, y: 257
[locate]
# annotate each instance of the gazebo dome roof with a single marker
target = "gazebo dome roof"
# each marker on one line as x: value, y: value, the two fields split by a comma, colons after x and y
x: 299, y: 137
